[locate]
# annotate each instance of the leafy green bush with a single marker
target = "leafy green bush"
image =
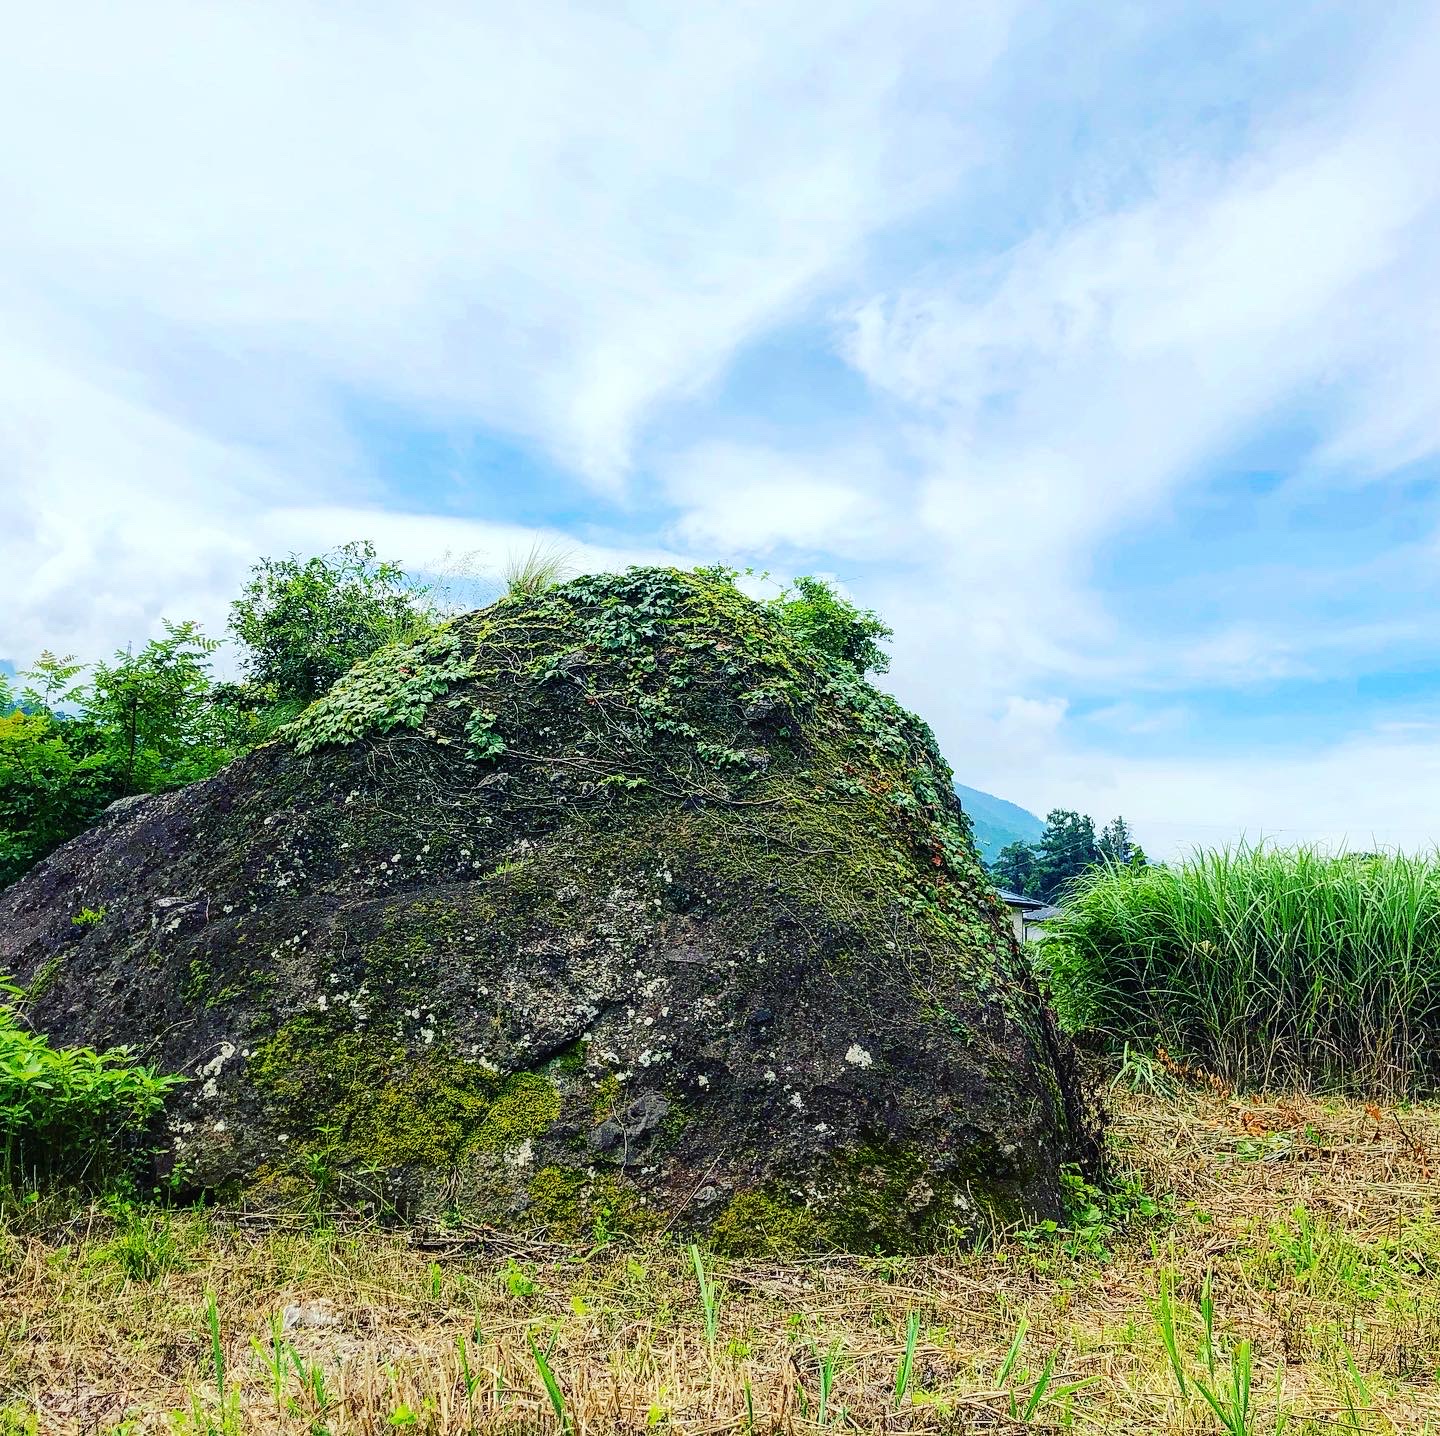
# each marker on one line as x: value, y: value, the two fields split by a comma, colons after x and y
x: 816, y: 613
x: 1265, y: 966
x: 303, y: 624
x: 48, y: 792
x: 148, y: 714
x: 144, y: 722
x: 70, y: 1113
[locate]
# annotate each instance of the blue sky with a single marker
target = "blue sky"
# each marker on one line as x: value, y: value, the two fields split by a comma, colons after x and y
x: 1094, y: 346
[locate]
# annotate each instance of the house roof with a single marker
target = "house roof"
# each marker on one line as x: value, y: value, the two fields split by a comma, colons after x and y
x: 1043, y: 913
x: 1020, y: 900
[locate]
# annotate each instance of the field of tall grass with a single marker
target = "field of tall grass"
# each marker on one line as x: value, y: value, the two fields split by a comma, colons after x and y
x: 1271, y: 968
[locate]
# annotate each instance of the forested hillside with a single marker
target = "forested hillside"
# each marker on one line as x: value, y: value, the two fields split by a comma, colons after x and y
x: 997, y: 822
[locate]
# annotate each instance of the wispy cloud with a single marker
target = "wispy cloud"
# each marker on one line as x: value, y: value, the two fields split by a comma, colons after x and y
x: 1075, y: 379
x: 550, y: 220
x: 747, y: 499
x: 1056, y: 272
x: 227, y: 229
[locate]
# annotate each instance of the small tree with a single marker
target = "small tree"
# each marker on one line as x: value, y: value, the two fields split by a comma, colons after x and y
x: 1116, y: 844
x: 304, y: 623
x: 1014, y: 867
x: 1067, y: 847
x: 148, y: 713
x: 50, y: 683
x: 142, y: 723
x: 835, y: 625
x: 48, y: 792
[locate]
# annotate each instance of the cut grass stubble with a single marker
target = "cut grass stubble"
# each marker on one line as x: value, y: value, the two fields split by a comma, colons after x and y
x: 1292, y: 1286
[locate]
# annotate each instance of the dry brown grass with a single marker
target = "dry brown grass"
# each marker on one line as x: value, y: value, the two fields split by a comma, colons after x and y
x: 104, y: 1332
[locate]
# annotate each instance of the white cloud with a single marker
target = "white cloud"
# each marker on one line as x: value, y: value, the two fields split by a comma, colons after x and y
x: 1134, y: 720
x: 747, y: 499
x: 226, y: 228
x: 550, y: 219
x: 101, y: 526
x: 137, y: 576
x: 1063, y: 391
x: 1378, y: 788
x: 1028, y: 724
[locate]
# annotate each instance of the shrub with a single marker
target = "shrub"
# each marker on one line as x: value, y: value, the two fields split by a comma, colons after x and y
x: 142, y: 723
x: 821, y: 617
x: 70, y: 1113
x: 47, y: 792
x: 1265, y: 966
x: 147, y: 715
x: 303, y: 624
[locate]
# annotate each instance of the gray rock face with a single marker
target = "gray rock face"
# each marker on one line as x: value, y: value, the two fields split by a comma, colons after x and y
x: 612, y: 972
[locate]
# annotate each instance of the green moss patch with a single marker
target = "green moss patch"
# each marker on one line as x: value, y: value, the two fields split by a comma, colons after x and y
x: 871, y: 1199
x: 370, y: 1102
x: 570, y: 1205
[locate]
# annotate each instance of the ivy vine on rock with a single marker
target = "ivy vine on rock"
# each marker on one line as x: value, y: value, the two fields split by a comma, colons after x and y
x: 391, y: 689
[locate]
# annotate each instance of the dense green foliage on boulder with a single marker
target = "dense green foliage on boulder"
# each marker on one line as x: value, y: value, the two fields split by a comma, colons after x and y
x: 627, y: 903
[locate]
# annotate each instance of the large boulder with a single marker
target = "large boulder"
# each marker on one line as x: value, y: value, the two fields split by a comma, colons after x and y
x: 623, y: 905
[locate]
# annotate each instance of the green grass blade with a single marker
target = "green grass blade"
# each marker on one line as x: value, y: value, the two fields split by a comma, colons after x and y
x: 1012, y: 1355
x: 552, y: 1384
x: 907, y: 1360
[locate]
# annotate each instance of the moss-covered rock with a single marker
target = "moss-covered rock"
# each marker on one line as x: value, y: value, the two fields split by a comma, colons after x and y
x: 619, y: 906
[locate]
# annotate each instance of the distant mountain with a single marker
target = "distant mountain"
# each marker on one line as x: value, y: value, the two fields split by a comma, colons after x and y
x: 997, y: 822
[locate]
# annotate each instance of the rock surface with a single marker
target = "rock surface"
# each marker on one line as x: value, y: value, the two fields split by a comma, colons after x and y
x: 618, y: 907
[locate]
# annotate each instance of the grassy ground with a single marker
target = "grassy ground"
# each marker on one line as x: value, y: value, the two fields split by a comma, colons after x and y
x: 1311, y: 1228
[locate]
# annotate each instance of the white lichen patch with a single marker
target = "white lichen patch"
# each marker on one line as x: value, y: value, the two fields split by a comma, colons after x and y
x: 212, y: 1069
x: 857, y: 1056
x: 216, y: 1063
